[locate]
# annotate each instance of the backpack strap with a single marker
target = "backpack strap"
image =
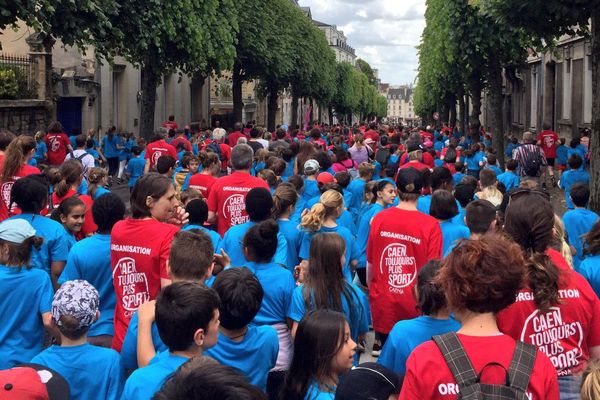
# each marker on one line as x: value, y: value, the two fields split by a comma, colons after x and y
x: 521, y: 365
x: 457, y: 359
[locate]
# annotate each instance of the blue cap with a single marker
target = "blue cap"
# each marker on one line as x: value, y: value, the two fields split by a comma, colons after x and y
x: 16, y: 230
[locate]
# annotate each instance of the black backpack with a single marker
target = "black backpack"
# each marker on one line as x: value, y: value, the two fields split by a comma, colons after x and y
x: 450, y: 156
x: 382, y: 156
x: 532, y: 162
x: 469, y: 382
x: 214, y: 147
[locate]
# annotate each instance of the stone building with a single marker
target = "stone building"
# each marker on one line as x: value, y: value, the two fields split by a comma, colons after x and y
x: 400, y: 104
x: 338, y: 42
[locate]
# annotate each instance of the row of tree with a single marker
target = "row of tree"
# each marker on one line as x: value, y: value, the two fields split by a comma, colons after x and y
x: 270, y: 41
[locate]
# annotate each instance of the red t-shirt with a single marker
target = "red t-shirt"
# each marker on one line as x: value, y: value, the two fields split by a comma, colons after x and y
x: 57, y: 147
x: 400, y: 243
x: 227, y: 199
x: 203, y: 183
x: 186, y: 143
x: 139, y: 250
x: 89, y: 226
x: 157, y: 149
x: 567, y: 330
x: 415, y: 164
x: 233, y: 138
x: 371, y: 134
x: 6, y: 187
x: 426, y: 135
x: 427, y: 159
x: 170, y: 125
x: 548, y: 141
x: 429, y: 377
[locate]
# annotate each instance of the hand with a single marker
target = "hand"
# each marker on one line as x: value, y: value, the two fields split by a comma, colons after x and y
x: 223, y: 260
x: 300, y: 272
x: 180, y: 217
x: 146, y: 312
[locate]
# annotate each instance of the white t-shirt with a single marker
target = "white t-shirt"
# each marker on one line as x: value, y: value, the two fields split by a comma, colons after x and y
x: 87, y: 160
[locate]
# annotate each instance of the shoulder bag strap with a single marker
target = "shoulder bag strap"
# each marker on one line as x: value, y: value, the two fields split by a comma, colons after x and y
x: 457, y: 359
x: 521, y: 365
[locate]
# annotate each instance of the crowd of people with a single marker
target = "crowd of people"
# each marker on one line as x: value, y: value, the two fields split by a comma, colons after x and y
x: 250, y: 264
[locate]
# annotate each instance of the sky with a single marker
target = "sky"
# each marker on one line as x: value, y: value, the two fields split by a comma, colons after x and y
x: 383, y: 32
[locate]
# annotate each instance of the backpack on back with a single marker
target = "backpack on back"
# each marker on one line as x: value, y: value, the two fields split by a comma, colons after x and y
x: 532, y: 162
x: 214, y: 147
x: 469, y: 382
x: 382, y: 156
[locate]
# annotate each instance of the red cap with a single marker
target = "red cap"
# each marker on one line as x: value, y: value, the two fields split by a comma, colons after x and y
x: 22, y: 384
x: 325, y: 178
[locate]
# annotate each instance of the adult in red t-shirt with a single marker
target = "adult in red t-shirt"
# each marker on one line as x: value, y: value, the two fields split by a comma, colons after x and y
x: 548, y: 140
x: 58, y: 144
x: 563, y: 320
x: 203, y: 182
x: 156, y: 149
x: 227, y: 199
x: 224, y: 150
x: 181, y: 139
x: 373, y: 135
x: 233, y: 137
x: 479, y: 278
x: 425, y: 158
x: 15, y: 166
x: 139, y: 248
x: 170, y: 124
x: 401, y: 241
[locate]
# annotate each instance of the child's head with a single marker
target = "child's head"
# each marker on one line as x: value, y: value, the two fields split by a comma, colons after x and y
x: 311, y: 167
x: 343, y: 179
x: 276, y: 164
x: 459, y: 166
x: 464, y: 193
x: 191, y: 256
x: 511, y: 165
x: 69, y: 176
x: 71, y: 214
x: 191, y: 162
x: 480, y: 216
x: 241, y: 296
x: 187, y: 316
x: 197, y: 210
x: 430, y: 297
x: 189, y: 194
x: 107, y: 210
x: 327, y: 252
x: 17, y: 239
x: 590, y: 384
x: 369, y: 381
x: 370, y: 194
x: 366, y: 170
x: 330, y: 205
x: 136, y: 151
x: 409, y: 183
x: 75, y: 308
x: 260, y: 242
x: 443, y: 205
x: 165, y: 165
x: 487, y: 178
x: 441, y: 178
x: 574, y: 162
x: 592, y: 241
x: 323, y: 350
x: 384, y: 192
x: 30, y: 194
x: 269, y: 176
x: 258, y: 204
x: 284, y: 200
x: 580, y: 194
x: 96, y: 178
x: 297, y: 181
x: 491, y: 159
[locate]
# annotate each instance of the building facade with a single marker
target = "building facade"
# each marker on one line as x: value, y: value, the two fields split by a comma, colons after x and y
x: 400, y: 103
x: 338, y: 42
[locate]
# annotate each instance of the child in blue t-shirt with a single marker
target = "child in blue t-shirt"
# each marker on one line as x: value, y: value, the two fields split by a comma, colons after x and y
x: 574, y: 175
x: 25, y: 295
x: 284, y: 200
x: 408, y: 334
x: 492, y: 164
x: 250, y: 349
x: 459, y: 166
x: 70, y: 213
x: 92, y: 372
x: 444, y: 209
x: 591, y: 251
x: 41, y: 150
x: 187, y: 318
x: 562, y: 152
x: 135, y: 166
x: 107, y: 211
x: 510, y: 179
x: 578, y: 221
x: 190, y: 260
x: 198, y: 214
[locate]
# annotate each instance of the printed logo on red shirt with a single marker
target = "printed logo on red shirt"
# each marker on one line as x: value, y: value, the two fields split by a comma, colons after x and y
x: 54, y: 143
x: 156, y: 155
x: 401, y: 269
x: 552, y: 335
x: 549, y: 141
x: 234, y: 209
x: 132, y: 284
x: 5, y: 191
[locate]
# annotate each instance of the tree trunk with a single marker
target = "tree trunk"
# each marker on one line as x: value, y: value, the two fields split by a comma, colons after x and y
x: 496, y: 104
x: 452, y: 108
x: 595, y: 136
x: 150, y: 81
x: 236, y: 91
x: 462, y: 110
x: 294, y: 108
x: 330, y: 110
x: 272, y: 111
x: 474, y: 122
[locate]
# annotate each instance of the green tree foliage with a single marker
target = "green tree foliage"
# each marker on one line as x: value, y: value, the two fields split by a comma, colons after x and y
x: 366, y: 69
x: 354, y: 94
x: 187, y: 36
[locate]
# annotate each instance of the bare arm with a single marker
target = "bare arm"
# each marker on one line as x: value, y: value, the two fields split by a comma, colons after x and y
x: 369, y: 273
x: 147, y: 166
x: 56, y: 268
x: 212, y: 217
x: 145, y: 346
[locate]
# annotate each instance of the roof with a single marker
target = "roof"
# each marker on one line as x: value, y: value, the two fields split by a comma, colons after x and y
x: 319, y: 23
x: 403, y: 93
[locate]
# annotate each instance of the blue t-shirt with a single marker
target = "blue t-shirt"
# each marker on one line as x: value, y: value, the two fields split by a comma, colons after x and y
x: 510, y: 148
x: 347, y: 221
x: 289, y: 169
x: 473, y: 162
x: 100, y: 191
x: 145, y: 382
x: 352, y: 251
x: 451, y: 233
x: 408, y: 334
x: 109, y: 147
x: 92, y: 372
x: 129, y: 348
x: 578, y: 222
x: 278, y: 285
x: 358, y: 325
x: 135, y: 169
x: 214, y: 236
x: 496, y: 170
x: 25, y: 294
x: 235, y: 235
x: 438, y: 145
x: 97, y: 270
x: 54, y: 247
x: 290, y: 231
x: 424, y: 205
x: 357, y: 188
x: 561, y: 154
x: 590, y: 269
x: 253, y: 356
x: 40, y: 150
x: 311, y: 189
x: 509, y: 179
x: 568, y: 179
x: 364, y: 225
x: 314, y: 393
x: 457, y: 177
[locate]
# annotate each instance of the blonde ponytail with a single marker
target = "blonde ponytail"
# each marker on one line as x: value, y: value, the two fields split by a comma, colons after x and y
x: 330, y: 203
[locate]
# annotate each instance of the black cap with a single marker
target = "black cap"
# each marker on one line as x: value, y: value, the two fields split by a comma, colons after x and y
x: 368, y: 381
x: 410, y: 180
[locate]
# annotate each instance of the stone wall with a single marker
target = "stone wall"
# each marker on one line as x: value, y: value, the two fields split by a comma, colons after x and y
x: 24, y: 116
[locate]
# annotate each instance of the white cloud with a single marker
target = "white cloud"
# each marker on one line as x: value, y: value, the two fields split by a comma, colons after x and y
x: 383, y: 32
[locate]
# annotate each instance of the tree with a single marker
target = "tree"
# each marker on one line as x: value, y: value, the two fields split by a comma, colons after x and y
x: 545, y: 21
x: 185, y: 36
x: 366, y: 69
x: 345, y: 99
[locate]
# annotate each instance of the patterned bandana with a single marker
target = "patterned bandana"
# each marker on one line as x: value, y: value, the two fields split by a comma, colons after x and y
x: 77, y: 299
